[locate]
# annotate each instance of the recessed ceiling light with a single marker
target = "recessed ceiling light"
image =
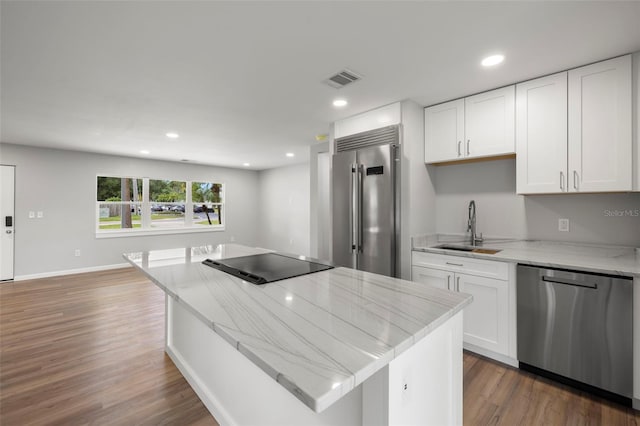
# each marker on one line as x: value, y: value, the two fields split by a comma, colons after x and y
x: 173, y: 135
x: 246, y: 164
x: 144, y: 151
x: 339, y: 103
x: 492, y: 60
x: 290, y: 154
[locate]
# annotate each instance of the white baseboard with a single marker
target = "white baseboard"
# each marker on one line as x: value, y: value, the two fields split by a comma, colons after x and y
x: 490, y: 354
x: 71, y: 271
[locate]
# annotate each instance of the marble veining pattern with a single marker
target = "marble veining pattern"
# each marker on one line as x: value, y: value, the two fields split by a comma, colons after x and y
x: 613, y: 260
x: 318, y: 335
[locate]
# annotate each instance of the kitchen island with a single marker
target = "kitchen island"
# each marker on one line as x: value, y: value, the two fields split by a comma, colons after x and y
x: 339, y: 346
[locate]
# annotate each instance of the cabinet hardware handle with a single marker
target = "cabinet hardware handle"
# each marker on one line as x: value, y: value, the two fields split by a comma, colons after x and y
x: 561, y: 180
x: 448, y: 282
x: 575, y: 181
x: 454, y: 264
x: 468, y: 141
x: 459, y: 152
x: 457, y: 283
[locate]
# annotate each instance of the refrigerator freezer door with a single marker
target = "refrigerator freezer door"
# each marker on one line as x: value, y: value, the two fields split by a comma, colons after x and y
x: 377, y: 216
x: 344, y: 250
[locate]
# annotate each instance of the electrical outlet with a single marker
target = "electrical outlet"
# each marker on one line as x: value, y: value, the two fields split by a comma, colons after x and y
x: 563, y: 225
x: 77, y: 253
x: 40, y: 215
x: 32, y: 215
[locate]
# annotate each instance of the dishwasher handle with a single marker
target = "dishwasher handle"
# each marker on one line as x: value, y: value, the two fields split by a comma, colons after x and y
x: 570, y: 282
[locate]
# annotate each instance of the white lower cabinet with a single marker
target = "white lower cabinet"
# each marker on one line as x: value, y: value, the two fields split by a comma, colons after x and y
x: 490, y: 320
x: 433, y: 277
x: 486, y: 320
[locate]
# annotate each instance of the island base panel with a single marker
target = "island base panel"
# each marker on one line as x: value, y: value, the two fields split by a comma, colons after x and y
x: 423, y: 385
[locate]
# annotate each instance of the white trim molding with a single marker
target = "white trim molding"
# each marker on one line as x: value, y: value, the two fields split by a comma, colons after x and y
x: 71, y: 271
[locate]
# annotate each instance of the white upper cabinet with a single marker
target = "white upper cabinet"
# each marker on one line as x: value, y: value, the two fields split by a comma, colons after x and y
x: 490, y: 123
x: 541, y: 135
x: 477, y: 126
x: 573, y: 130
x: 600, y: 144
x: 444, y: 131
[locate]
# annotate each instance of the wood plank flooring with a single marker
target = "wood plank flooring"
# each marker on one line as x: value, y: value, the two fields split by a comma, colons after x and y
x: 496, y: 394
x: 89, y: 349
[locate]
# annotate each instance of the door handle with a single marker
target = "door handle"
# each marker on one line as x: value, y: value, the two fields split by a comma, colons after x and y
x: 354, y: 209
x: 454, y: 264
x: 459, y: 152
x: 575, y: 180
x: 561, y: 180
x: 457, y: 283
x: 448, y: 282
x: 360, y: 204
x: 468, y: 143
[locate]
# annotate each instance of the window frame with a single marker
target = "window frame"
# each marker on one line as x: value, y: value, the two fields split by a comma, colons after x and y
x: 145, y: 216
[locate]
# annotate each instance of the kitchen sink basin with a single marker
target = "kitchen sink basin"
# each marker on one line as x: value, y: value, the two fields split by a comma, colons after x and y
x: 454, y: 247
x: 469, y: 249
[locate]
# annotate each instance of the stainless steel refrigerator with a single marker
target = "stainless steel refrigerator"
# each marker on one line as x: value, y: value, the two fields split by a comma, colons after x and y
x: 366, y: 201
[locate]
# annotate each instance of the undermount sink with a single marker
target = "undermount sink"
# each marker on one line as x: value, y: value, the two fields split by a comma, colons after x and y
x: 471, y: 249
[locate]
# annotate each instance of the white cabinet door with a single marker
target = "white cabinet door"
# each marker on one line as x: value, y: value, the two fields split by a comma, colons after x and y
x: 444, y: 131
x: 433, y: 277
x: 541, y: 135
x: 490, y: 123
x: 600, y: 150
x: 486, y: 319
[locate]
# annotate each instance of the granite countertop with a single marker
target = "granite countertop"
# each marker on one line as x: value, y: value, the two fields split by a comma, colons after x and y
x: 318, y: 335
x: 615, y: 260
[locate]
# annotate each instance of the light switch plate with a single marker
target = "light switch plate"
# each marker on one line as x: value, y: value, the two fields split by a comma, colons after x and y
x: 563, y: 225
x: 32, y: 215
x: 40, y: 215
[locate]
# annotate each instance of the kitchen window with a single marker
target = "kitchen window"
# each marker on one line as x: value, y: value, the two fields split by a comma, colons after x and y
x: 128, y: 206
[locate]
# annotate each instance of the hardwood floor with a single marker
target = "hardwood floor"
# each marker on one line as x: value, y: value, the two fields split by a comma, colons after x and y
x: 89, y: 349
x: 496, y: 394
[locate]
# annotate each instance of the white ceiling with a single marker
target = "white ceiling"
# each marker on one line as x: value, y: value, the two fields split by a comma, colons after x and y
x: 242, y: 81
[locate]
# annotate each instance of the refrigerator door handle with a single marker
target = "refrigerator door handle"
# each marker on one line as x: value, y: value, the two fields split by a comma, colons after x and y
x: 360, y: 206
x: 354, y: 208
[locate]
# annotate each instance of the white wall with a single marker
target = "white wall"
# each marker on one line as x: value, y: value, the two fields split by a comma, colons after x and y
x: 502, y: 213
x: 283, y: 209
x: 61, y: 184
x: 320, y: 201
x: 417, y: 196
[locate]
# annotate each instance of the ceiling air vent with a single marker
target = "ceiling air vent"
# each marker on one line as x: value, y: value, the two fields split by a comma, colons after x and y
x: 342, y: 78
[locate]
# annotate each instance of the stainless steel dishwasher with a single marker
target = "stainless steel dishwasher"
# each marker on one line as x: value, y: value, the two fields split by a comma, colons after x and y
x: 577, y: 326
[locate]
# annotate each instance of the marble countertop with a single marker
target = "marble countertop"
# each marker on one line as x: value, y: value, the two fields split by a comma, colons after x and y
x: 318, y: 335
x: 615, y: 260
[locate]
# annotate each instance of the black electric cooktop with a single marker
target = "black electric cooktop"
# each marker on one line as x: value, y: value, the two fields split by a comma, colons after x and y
x: 266, y: 268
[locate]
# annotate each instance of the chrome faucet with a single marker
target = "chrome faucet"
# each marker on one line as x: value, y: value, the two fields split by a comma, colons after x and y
x: 471, y: 224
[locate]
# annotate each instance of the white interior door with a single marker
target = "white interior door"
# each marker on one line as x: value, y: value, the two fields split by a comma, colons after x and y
x: 7, y: 199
